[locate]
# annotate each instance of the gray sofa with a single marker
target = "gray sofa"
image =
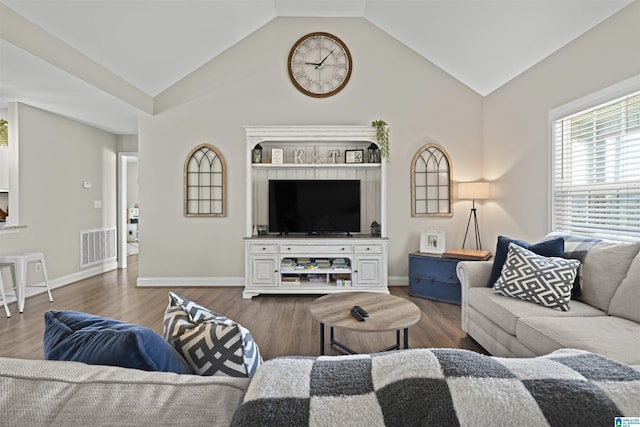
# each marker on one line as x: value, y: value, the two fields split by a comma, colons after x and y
x: 604, y: 319
x: 407, y: 387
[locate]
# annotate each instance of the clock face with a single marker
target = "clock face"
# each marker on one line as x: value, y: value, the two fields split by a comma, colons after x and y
x: 319, y: 64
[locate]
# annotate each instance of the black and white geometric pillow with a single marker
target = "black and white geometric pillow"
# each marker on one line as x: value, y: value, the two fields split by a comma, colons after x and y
x: 211, y: 343
x: 198, y: 313
x: 535, y: 278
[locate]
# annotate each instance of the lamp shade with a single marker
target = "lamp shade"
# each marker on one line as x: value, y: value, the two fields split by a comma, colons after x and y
x: 479, y: 190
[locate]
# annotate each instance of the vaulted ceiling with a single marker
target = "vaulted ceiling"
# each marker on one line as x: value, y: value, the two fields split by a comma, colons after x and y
x: 151, y: 44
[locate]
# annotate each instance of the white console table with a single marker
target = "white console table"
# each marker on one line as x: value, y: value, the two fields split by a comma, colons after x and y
x: 315, y: 265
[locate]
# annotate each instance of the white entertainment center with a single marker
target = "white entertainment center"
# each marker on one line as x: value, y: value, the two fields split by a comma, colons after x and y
x: 317, y: 264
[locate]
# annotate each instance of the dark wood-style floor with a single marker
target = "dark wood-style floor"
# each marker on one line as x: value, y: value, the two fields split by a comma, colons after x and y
x: 281, y: 325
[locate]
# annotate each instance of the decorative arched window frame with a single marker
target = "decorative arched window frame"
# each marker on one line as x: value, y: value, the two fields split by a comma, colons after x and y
x: 431, y: 182
x: 205, y: 182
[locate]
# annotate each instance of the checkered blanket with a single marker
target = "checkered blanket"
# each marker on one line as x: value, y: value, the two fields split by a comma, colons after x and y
x: 441, y: 387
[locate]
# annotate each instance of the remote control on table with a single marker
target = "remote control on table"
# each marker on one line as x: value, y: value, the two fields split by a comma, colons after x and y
x: 357, y: 315
x: 361, y: 311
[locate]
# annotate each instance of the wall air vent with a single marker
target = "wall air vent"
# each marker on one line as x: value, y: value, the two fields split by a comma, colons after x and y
x: 97, y: 246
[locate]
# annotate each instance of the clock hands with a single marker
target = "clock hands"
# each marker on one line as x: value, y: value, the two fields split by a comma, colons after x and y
x: 318, y: 65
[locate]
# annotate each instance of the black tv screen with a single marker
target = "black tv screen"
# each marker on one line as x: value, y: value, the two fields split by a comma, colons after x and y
x: 314, y: 206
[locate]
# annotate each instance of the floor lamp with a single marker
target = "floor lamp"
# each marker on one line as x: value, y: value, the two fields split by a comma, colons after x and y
x: 473, y: 191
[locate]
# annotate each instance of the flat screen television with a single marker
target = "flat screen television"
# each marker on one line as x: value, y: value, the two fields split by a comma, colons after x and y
x: 314, y: 206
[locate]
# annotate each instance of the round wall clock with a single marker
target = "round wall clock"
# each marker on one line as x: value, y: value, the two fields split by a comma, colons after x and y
x: 319, y: 64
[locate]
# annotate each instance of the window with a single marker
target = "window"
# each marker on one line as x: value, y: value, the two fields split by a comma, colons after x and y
x: 204, y: 182
x: 431, y: 182
x: 596, y: 170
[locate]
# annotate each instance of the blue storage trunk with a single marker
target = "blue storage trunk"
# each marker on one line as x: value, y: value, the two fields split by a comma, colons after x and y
x: 434, y: 278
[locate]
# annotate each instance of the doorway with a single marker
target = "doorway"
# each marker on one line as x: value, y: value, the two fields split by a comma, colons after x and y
x: 127, y: 206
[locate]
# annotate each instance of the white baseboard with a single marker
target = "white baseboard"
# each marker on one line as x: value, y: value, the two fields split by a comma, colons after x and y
x: 39, y: 288
x: 190, y: 281
x: 398, y: 281
x: 83, y: 274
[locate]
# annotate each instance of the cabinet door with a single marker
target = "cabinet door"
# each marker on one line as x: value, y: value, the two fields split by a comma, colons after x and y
x: 264, y: 271
x: 368, y: 271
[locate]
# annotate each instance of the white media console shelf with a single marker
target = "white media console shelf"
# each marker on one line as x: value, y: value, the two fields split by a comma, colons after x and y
x: 297, y: 264
x: 315, y: 265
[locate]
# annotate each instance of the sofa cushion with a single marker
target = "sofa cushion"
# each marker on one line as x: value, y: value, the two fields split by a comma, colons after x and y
x: 626, y: 301
x: 52, y: 393
x: 82, y: 337
x: 535, y: 278
x: 506, y: 311
x: 209, y: 341
x: 609, y: 336
x: 552, y: 247
x: 604, y: 268
x: 494, y: 339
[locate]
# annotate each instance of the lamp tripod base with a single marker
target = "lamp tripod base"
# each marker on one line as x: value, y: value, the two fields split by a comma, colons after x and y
x: 473, y: 215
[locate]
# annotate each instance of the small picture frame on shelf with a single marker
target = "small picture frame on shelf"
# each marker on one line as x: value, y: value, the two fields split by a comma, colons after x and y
x: 432, y: 241
x: 354, y: 156
x: 277, y: 156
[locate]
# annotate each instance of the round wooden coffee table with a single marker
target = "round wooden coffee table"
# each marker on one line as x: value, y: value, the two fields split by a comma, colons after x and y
x: 386, y: 313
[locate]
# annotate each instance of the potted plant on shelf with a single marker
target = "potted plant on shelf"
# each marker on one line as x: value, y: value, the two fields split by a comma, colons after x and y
x: 382, y: 135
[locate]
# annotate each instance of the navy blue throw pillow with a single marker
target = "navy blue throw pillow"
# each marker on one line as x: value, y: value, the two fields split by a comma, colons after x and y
x: 548, y: 248
x: 95, y: 340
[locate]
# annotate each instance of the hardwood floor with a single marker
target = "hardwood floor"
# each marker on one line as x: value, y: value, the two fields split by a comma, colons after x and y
x: 281, y: 325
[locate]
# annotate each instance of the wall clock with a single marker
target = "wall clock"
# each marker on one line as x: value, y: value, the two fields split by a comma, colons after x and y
x: 319, y: 64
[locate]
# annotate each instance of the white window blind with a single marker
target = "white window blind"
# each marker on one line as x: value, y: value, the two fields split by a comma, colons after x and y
x: 596, y: 170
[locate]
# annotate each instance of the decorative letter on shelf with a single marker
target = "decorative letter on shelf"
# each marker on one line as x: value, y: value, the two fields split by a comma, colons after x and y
x: 333, y: 155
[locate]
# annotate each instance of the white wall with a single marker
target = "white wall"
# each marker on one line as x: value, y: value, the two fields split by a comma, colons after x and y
x: 249, y: 85
x: 127, y: 143
x: 56, y: 156
x: 516, y: 133
x: 132, y: 183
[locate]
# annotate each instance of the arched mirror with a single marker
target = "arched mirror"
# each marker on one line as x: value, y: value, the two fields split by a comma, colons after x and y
x: 431, y: 182
x: 204, y: 182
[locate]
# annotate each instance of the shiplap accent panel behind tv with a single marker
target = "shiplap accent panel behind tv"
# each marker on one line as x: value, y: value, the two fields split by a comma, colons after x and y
x: 315, y: 143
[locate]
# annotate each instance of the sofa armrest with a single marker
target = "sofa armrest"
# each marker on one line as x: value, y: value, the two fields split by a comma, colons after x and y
x: 472, y: 274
